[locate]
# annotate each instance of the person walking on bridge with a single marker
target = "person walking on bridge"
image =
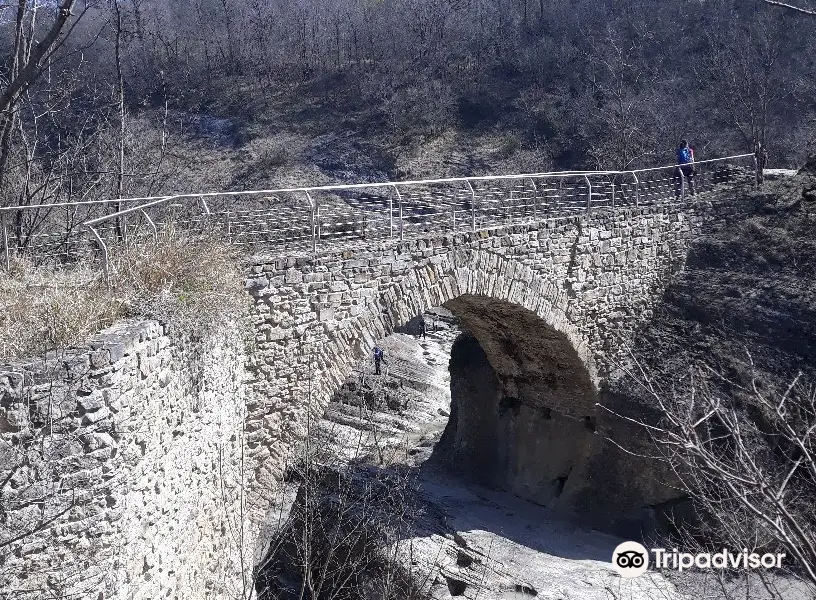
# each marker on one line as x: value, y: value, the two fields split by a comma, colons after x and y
x: 684, y: 172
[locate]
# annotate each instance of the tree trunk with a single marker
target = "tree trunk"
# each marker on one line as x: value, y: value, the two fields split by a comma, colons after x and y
x: 120, y: 99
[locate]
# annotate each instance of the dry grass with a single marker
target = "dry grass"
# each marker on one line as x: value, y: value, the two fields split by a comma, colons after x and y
x: 190, y: 282
x: 43, y: 309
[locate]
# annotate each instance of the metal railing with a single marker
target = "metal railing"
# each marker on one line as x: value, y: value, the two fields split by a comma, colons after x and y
x: 53, y: 232
x: 312, y: 218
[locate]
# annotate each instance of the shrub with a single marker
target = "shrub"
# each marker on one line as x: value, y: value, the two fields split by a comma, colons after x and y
x: 44, y: 309
x: 188, y: 281
x: 191, y: 281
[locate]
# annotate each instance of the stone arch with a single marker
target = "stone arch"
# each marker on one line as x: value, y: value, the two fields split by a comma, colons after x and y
x: 332, y: 337
x: 343, y: 303
x: 473, y: 274
x: 549, y: 371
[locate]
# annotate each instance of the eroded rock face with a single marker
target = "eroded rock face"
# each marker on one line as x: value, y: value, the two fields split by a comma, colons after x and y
x: 511, y: 378
x: 397, y: 416
x: 531, y: 358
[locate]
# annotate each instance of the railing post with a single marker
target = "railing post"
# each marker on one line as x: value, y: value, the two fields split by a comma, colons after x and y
x: 104, y: 248
x: 756, y: 172
x: 453, y: 218
x: 391, y: 216
x: 229, y: 225
x: 205, y: 206
x: 535, y: 200
x: 682, y: 184
x: 152, y: 226
x: 399, y: 200
x: 637, y: 189
x: 7, y: 258
x: 558, y: 201
x: 472, y: 207
x: 205, y: 222
x: 229, y: 218
x: 589, y: 193
x: 315, y: 216
x: 613, y: 193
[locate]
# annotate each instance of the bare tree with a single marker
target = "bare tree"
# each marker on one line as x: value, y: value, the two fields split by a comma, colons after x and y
x: 628, y: 93
x: 337, y: 540
x: 27, y: 58
x: 120, y: 103
x: 746, y: 455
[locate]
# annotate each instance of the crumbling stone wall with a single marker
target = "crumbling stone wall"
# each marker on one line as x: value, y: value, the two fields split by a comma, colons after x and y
x: 122, y: 463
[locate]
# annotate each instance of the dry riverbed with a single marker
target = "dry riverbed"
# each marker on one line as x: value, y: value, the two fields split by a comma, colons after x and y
x: 469, y: 541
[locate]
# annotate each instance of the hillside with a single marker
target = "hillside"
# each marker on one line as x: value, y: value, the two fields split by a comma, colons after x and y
x: 747, y: 293
x: 188, y: 403
x: 138, y: 102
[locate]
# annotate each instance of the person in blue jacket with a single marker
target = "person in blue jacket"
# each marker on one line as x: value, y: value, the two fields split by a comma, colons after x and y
x: 685, y: 169
x: 379, y: 356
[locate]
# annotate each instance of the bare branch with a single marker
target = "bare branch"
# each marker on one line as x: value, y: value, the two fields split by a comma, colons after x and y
x: 30, y: 70
x: 799, y: 9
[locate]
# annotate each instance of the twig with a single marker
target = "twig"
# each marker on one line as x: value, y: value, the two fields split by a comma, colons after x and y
x: 799, y: 9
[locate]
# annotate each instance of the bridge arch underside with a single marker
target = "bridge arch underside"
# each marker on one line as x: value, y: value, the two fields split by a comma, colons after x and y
x: 524, y: 418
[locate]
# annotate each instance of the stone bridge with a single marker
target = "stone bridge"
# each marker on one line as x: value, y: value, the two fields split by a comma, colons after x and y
x: 553, y: 306
x: 162, y: 436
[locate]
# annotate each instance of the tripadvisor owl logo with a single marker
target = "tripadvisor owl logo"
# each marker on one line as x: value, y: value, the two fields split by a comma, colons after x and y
x: 630, y: 559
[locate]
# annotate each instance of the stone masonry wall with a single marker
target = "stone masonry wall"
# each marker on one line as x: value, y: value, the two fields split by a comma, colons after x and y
x: 120, y: 468
x: 594, y: 278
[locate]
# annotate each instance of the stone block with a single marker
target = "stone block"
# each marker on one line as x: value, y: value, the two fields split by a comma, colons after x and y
x: 97, y: 440
x: 91, y: 403
x: 355, y: 264
x: 96, y: 416
x: 293, y: 276
x: 13, y: 419
x: 274, y: 334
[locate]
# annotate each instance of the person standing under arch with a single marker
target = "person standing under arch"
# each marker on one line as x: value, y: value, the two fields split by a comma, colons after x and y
x: 379, y: 356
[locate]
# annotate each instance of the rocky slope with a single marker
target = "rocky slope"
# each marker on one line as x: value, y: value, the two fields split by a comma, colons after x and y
x: 746, y: 301
x: 399, y: 415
